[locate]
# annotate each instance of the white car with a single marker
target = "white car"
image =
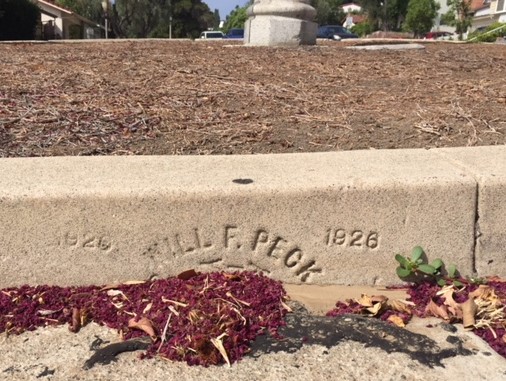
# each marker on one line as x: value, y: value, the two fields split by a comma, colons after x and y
x: 212, y: 34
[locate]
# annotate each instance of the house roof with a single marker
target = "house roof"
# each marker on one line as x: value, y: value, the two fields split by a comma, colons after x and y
x: 52, y: 4
x: 478, y: 4
x: 352, y: 4
x: 50, y: 14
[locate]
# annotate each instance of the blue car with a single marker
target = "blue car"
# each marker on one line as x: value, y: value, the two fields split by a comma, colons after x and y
x: 334, y: 32
x: 235, y: 33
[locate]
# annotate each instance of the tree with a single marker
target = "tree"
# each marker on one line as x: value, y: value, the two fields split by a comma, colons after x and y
x: 396, y: 13
x: 191, y: 17
x: 217, y: 19
x: 136, y: 18
x: 153, y: 18
x: 91, y: 9
x: 375, y: 12
x: 236, y: 18
x: 18, y: 19
x: 385, y: 14
x: 459, y: 15
x: 328, y: 11
x: 420, y: 16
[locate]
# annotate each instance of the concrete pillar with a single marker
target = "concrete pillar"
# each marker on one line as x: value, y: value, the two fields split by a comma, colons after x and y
x: 280, y: 23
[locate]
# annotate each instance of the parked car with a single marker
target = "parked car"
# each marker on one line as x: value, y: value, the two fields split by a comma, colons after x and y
x: 212, y: 34
x: 235, y: 33
x: 439, y: 36
x: 334, y: 32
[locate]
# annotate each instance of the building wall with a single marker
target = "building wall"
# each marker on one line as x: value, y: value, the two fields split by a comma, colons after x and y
x: 57, y: 23
x: 351, y: 8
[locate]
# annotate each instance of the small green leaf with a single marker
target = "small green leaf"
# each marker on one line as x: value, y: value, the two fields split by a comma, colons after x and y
x: 441, y: 282
x: 452, y: 271
x: 402, y: 272
x: 427, y: 269
x: 457, y: 283
x: 416, y: 253
x: 403, y: 261
x: 437, y: 263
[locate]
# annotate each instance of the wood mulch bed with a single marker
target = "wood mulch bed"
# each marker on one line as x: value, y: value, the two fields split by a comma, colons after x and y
x: 184, y: 97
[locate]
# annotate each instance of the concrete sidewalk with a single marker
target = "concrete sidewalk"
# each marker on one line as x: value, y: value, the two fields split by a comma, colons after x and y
x: 318, y: 218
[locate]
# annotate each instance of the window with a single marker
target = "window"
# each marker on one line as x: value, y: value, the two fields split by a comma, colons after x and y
x: 500, y: 6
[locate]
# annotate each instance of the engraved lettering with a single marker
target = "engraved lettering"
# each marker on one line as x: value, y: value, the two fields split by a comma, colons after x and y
x: 336, y: 237
x: 231, y: 237
x: 276, y: 247
x: 89, y: 241
x: 104, y: 243
x: 182, y: 246
x: 197, y: 238
x: 306, y: 270
x: 178, y: 243
x: 372, y: 240
x: 261, y: 237
x: 70, y: 239
x: 202, y: 243
x: 211, y: 261
x: 293, y: 258
x: 353, y: 239
x: 171, y: 247
x: 356, y: 238
x: 266, y: 251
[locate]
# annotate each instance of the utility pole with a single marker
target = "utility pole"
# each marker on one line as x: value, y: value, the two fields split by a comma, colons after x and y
x: 385, y: 23
x: 105, y: 7
x: 170, y: 19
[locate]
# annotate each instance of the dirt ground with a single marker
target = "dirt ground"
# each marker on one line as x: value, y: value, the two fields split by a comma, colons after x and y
x: 183, y: 97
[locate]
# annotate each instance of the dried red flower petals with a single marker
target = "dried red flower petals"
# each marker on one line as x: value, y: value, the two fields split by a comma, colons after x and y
x: 429, y: 299
x: 203, y: 319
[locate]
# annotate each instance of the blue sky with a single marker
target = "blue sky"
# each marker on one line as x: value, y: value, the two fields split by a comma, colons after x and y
x: 224, y: 6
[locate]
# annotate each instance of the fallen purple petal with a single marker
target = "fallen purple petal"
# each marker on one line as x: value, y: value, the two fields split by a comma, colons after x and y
x: 236, y: 307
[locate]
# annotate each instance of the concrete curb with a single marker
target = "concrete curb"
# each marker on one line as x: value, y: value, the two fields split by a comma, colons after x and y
x: 409, y: 46
x: 323, y: 218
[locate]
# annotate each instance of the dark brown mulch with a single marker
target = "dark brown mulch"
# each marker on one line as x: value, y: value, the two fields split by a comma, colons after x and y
x: 168, y: 97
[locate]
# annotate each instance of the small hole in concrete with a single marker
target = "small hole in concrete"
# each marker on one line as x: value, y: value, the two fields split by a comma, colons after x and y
x: 242, y: 181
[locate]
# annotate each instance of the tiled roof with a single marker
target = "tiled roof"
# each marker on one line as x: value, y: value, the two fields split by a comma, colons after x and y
x: 53, y: 2
x: 65, y: 10
x: 478, y: 4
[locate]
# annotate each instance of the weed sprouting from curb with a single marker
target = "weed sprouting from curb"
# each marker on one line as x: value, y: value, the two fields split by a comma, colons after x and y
x: 417, y: 269
x: 434, y: 290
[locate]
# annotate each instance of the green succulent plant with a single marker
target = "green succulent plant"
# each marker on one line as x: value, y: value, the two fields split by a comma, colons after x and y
x: 417, y: 268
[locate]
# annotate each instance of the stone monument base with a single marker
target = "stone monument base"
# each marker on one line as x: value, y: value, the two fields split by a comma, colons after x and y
x: 267, y: 30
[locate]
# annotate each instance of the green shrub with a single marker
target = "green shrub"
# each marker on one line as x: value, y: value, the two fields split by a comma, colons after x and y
x: 18, y: 19
x: 362, y: 29
x: 484, y: 36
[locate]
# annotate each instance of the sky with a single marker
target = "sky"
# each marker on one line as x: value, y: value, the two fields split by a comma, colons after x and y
x: 224, y: 6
